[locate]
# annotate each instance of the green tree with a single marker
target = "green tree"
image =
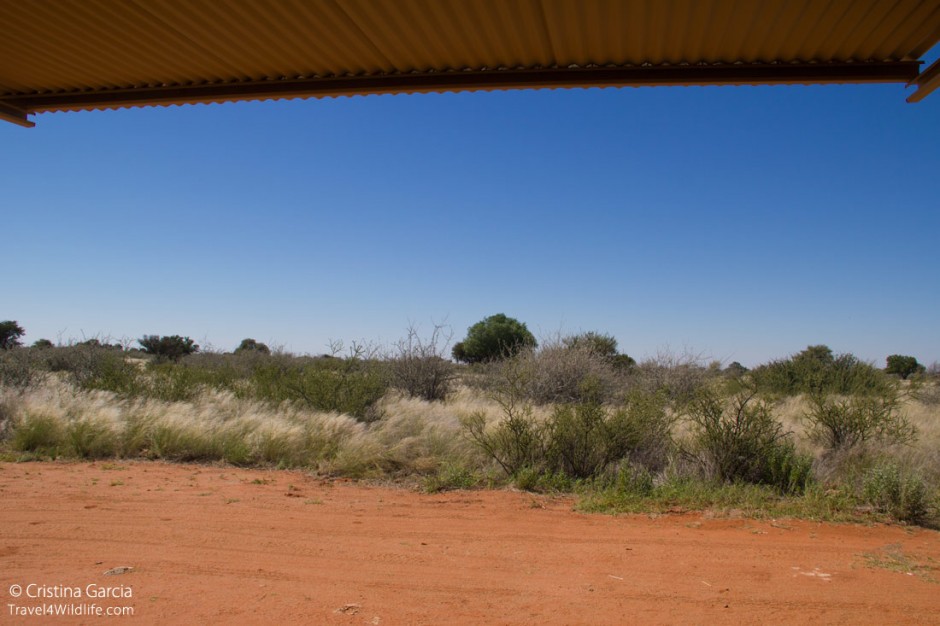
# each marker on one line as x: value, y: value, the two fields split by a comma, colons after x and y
x: 493, y: 338
x: 250, y: 345
x: 171, y: 348
x: 10, y: 333
x: 903, y: 366
x: 736, y: 370
x: 43, y: 344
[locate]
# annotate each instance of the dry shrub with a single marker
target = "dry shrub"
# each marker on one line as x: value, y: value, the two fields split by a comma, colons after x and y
x: 562, y: 374
x: 679, y: 376
x: 556, y: 373
x: 928, y: 394
x: 19, y: 368
x: 418, y: 367
x: 9, y: 407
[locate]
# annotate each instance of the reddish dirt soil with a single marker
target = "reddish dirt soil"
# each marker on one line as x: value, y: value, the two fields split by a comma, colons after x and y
x: 223, y: 545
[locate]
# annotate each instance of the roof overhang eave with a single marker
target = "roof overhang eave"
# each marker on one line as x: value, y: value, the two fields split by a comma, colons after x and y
x: 926, y: 82
x: 15, y: 115
x: 14, y: 108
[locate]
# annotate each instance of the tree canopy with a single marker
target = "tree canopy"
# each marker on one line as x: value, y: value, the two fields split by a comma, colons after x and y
x: 10, y: 333
x: 171, y: 347
x: 493, y: 338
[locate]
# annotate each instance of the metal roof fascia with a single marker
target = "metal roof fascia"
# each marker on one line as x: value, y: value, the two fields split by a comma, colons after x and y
x: 15, y: 115
x: 927, y: 81
x: 630, y: 76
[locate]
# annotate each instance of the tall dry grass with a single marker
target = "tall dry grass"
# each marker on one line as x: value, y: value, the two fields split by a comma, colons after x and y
x: 414, y: 438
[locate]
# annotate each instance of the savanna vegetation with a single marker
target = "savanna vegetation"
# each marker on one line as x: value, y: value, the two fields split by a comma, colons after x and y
x: 815, y: 434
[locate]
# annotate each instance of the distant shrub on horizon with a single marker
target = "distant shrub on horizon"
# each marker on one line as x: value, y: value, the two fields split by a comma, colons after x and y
x: 816, y: 370
x: 493, y: 338
x: 903, y: 366
x: 250, y: 345
x: 171, y: 348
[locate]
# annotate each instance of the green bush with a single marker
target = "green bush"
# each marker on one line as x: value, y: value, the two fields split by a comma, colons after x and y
x: 816, y: 370
x: 171, y: 347
x: 786, y: 469
x: 451, y: 476
x: 515, y: 442
x: 577, y: 440
x: 350, y: 386
x: 738, y: 439
x: 900, y: 494
x: 839, y: 422
x: 903, y: 366
x: 541, y: 480
x: 640, y: 430
x: 250, y: 345
x: 582, y: 440
x: 493, y: 338
x: 634, y: 481
x: 735, y: 370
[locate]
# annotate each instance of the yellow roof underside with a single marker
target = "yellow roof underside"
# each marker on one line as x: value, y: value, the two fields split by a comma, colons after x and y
x: 86, y: 54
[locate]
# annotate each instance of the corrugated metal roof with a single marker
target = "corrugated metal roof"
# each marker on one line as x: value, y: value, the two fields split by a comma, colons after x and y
x: 84, y: 54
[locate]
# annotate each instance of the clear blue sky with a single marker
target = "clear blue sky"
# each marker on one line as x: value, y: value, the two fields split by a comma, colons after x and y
x: 743, y: 223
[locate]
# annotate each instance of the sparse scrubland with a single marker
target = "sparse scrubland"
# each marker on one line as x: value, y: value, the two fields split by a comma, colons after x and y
x: 813, y: 435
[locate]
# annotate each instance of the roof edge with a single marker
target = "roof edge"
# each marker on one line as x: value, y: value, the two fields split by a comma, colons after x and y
x: 471, y: 80
x: 927, y: 82
x: 14, y: 115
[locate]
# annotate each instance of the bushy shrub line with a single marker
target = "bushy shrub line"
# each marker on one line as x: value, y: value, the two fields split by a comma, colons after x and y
x: 570, y: 417
x: 816, y: 370
x: 343, y: 385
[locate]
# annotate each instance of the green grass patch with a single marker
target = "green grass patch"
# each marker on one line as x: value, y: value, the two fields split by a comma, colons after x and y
x: 893, y: 558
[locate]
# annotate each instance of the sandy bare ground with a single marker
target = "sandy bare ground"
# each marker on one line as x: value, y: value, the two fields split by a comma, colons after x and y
x: 224, y: 545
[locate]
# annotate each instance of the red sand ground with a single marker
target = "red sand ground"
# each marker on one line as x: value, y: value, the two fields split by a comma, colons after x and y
x: 221, y: 545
